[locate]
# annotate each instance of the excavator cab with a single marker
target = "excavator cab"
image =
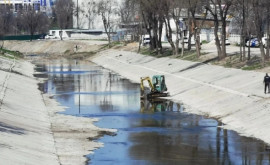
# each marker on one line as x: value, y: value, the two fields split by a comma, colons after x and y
x: 157, y: 86
x: 159, y: 83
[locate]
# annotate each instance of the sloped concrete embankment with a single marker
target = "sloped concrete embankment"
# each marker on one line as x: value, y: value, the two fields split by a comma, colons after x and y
x: 31, y: 130
x: 25, y: 127
x: 233, y: 96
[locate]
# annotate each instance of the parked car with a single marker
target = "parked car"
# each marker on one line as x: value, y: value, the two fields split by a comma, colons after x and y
x: 227, y: 42
x: 50, y: 36
x: 253, y: 43
x: 146, y: 40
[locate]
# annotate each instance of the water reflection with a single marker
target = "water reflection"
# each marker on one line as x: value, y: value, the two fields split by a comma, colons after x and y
x: 158, y: 105
x: 149, y: 132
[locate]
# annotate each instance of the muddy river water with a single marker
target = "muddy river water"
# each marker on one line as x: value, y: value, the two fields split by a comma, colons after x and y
x: 159, y: 132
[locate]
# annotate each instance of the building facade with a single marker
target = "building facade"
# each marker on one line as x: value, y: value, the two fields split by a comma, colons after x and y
x: 38, y: 5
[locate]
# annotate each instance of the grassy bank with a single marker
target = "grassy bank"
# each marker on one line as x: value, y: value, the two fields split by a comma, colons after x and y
x: 10, y: 54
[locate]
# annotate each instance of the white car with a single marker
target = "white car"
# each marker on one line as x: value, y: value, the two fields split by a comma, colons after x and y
x: 227, y: 42
x: 146, y: 40
x: 50, y: 36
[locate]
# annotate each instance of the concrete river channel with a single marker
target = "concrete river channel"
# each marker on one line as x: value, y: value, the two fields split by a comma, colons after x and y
x: 148, y: 133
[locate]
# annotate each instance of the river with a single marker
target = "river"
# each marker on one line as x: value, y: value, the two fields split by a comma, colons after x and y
x: 159, y: 132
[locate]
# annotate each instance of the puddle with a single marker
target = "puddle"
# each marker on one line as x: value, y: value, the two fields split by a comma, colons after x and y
x: 156, y: 132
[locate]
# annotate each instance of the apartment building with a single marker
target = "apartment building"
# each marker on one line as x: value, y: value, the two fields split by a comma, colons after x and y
x: 39, y: 5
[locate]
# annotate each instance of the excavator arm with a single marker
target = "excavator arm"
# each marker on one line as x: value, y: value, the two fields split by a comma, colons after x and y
x: 149, y: 82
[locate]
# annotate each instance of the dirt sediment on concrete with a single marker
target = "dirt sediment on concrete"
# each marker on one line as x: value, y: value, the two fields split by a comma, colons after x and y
x: 54, y: 47
x: 73, y: 135
x: 31, y: 129
x: 233, y: 96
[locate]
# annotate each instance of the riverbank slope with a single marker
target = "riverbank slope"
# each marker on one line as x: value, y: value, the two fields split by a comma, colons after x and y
x: 31, y: 129
x: 233, y: 96
x: 25, y: 127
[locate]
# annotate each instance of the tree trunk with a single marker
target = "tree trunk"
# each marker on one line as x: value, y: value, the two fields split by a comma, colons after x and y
x: 169, y: 34
x: 268, y: 31
x: 244, y: 50
x: 109, y: 38
x: 243, y: 43
x: 160, y: 36
x: 241, y: 46
x: 61, y: 34
x: 108, y: 35
x: 190, y: 27
x: 249, y: 57
x: 183, y: 44
x: 140, y: 38
x: 155, y: 39
x: 259, y: 29
x: 217, y: 40
x: 177, y: 41
x: 223, y: 38
x: 198, y: 44
x: 268, y: 43
x: 262, y: 53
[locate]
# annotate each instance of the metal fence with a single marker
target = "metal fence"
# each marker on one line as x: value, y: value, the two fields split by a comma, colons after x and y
x: 23, y: 37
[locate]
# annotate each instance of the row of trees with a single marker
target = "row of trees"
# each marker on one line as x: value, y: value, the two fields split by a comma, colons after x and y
x: 25, y: 21
x: 252, y: 18
x: 28, y: 21
x: 249, y: 17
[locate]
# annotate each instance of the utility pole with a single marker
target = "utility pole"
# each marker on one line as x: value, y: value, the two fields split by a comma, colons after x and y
x: 77, y: 14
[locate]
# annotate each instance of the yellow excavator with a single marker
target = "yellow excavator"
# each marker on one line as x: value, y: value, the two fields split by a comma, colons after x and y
x: 157, y: 86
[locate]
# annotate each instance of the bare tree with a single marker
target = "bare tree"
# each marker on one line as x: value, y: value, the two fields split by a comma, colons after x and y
x: 240, y: 20
x: 127, y: 11
x: 43, y: 24
x: 153, y: 17
x: 89, y: 11
x: 176, y: 14
x: 219, y: 11
x: 258, y: 6
x: 106, y: 9
x: 167, y: 21
x: 267, y: 19
x: 79, y: 13
x: 6, y: 21
x: 196, y: 25
x: 172, y: 15
x: 31, y: 19
x: 64, y: 14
